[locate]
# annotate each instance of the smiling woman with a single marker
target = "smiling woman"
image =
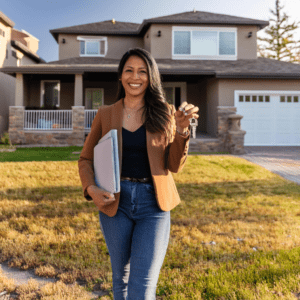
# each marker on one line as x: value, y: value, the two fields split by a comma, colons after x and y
x: 153, y: 140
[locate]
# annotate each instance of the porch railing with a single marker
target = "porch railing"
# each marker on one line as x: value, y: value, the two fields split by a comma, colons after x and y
x: 48, y: 120
x: 89, y: 115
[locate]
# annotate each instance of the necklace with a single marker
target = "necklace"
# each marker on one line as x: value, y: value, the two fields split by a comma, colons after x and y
x: 129, y: 113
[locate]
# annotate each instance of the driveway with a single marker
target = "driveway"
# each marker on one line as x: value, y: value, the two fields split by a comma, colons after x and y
x: 284, y: 161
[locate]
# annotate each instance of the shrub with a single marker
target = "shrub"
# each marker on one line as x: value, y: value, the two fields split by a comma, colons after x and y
x: 5, y: 139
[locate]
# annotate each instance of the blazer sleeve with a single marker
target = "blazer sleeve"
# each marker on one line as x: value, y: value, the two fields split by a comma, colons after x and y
x: 176, y: 152
x: 86, y: 159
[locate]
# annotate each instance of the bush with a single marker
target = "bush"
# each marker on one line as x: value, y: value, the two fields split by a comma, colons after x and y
x: 5, y: 139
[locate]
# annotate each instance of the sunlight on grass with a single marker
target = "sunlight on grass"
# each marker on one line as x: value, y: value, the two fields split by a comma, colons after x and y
x: 235, y: 234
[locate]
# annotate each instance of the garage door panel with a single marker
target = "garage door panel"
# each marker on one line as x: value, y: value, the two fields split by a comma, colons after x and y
x: 276, y: 121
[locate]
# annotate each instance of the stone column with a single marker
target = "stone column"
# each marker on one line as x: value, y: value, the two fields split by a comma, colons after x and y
x: 78, y: 134
x: 16, y: 124
x: 19, y: 95
x: 78, y: 93
x: 223, y: 126
x: 235, y: 135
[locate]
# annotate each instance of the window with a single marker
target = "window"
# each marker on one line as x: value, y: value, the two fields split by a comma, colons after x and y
x: 94, y: 98
x: 14, y: 54
x: 93, y: 46
x: 204, y: 43
x: 3, y: 33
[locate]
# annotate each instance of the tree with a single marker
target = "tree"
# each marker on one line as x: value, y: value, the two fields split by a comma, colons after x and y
x: 279, y: 43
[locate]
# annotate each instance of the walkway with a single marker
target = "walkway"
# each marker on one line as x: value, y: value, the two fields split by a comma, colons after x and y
x: 284, y: 161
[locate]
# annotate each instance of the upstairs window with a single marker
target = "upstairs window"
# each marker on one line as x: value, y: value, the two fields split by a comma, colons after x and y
x: 93, y: 46
x: 204, y: 43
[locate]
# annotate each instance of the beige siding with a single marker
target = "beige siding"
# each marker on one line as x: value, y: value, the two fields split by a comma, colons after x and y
x: 117, y: 46
x: 228, y: 86
x: 161, y: 47
x: 27, y: 61
x: 147, y: 40
x: 7, y: 98
x: 71, y: 47
x: 32, y: 43
x: 247, y: 47
x: 212, y: 104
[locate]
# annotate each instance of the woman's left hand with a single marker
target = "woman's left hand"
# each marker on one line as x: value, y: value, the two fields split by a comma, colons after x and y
x: 183, y: 114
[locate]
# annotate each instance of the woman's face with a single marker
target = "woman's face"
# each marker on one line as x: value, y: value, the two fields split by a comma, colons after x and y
x: 135, y: 77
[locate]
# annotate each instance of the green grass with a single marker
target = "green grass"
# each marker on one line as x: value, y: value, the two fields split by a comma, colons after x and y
x: 235, y: 235
x: 41, y: 154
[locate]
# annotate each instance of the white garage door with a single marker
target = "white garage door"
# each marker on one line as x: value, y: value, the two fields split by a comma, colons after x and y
x: 269, y: 118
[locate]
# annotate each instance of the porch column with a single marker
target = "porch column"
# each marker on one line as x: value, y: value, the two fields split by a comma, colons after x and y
x: 19, y: 96
x: 78, y: 93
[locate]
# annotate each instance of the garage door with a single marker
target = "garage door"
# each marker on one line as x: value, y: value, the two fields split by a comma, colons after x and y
x: 269, y: 118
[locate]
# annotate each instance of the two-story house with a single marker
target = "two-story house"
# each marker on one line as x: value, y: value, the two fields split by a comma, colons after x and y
x: 17, y: 48
x: 207, y: 59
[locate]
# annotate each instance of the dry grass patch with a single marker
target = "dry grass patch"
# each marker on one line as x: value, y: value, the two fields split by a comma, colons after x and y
x: 236, y: 234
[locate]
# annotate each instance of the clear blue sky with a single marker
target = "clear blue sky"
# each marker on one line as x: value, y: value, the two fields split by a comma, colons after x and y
x: 39, y: 16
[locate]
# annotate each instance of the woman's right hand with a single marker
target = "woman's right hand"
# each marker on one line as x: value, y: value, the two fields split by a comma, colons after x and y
x: 100, y: 197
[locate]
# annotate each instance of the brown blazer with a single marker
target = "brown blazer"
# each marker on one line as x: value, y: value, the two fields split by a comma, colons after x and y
x: 163, y: 159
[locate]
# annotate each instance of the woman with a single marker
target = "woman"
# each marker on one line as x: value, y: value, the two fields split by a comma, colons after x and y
x: 153, y: 140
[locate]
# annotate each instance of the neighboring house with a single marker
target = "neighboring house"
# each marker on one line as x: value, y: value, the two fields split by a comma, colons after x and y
x: 17, y: 48
x: 207, y: 59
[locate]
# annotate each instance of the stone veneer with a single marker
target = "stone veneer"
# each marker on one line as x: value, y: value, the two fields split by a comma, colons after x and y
x: 19, y: 136
x: 230, y: 136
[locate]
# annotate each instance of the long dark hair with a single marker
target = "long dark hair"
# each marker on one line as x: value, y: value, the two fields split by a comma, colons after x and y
x: 157, y: 113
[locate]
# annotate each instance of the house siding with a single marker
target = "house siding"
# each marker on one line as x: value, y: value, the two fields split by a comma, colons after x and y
x: 246, y: 47
x: 116, y: 45
x: 226, y: 87
x: 147, y: 40
x: 7, y: 82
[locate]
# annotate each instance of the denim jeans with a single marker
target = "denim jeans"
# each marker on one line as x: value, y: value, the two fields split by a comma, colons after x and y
x: 137, y: 239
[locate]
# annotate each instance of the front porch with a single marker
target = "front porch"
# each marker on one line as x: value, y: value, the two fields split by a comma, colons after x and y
x: 59, y: 110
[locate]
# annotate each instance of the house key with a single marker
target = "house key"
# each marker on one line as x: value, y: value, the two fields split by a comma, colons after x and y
x: 193, y: 124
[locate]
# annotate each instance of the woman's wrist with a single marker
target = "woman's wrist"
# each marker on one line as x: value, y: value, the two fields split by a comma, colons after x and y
x: 182, y: 131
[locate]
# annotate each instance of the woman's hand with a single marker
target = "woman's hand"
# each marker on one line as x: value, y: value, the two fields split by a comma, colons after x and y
x: 183, y: 114
x: 100, y: 197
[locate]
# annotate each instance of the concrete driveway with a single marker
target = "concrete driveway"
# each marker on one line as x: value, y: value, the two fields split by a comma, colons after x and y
x: 284, y: 161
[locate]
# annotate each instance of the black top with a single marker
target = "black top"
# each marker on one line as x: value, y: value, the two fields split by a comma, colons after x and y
x: 135, y: 162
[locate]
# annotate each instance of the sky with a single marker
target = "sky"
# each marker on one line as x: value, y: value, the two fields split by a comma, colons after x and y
x: 38, y: 17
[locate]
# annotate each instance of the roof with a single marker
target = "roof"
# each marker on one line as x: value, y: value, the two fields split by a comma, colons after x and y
x: 6, y: 20
x: 243, y: 68
x: 105, y: 27
x: 21, y: 47
x: 125, y: 28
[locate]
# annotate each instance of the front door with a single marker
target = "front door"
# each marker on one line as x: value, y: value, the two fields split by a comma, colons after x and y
x: 94, y: 98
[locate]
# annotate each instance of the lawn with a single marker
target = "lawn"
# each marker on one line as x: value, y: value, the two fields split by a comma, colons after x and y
x: 235, y: 235
x: 41, y: 154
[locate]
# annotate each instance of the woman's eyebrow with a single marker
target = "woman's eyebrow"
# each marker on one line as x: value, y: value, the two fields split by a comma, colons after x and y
x: 139, y: 68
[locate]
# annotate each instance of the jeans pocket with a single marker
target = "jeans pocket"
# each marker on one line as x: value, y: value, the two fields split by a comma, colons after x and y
x: 149, y: 187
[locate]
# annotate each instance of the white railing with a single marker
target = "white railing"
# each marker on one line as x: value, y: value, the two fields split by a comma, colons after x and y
x: 89, y: 115
x: 48, y: 120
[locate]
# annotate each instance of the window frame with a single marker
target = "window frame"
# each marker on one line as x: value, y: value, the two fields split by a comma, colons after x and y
x: 43, y: 92
x: 92, y: 39
x: 205, y: 29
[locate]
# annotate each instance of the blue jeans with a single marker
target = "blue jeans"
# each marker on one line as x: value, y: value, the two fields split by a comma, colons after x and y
x: 137, y: 239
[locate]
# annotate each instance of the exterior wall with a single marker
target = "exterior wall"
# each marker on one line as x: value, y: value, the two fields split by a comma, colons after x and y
x: 212, y: 104
x: 117, y: 45
x: 227, y: 87
x: 147, y: 40
x: 7, y: 98
x: 7, y: 82
x: 32, y: 42
x: 25, y: 60
x: 161, y: 47
x: 247, y: 47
